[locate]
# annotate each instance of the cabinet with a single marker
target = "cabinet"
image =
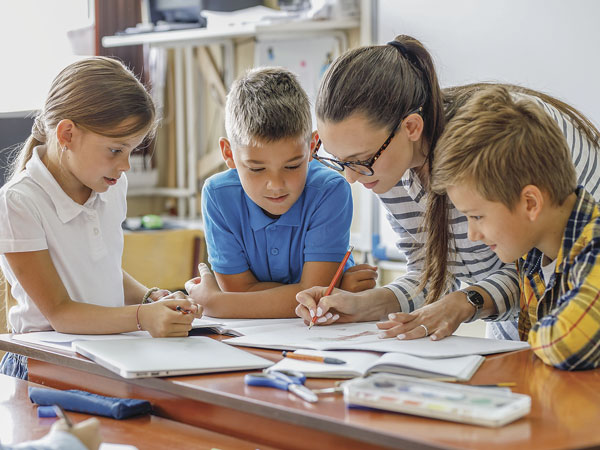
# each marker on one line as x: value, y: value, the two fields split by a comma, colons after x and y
x: 164, y: 258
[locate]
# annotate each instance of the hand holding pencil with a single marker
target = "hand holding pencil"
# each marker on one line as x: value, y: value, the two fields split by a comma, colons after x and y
x: 315, y: 315
x: 88, y: 431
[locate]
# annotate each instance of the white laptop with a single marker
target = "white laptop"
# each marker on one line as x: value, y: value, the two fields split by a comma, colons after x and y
x: 158, y: 357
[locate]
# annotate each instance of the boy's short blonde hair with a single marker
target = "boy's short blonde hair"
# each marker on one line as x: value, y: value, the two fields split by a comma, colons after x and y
x: 265, y: 105
x: 501, y: 144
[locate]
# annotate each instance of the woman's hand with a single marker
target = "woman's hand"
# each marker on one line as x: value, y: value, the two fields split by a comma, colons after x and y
x: 436, y: 320
x: 343, y: 306
x: 359, y: 278
x: 172, y: 316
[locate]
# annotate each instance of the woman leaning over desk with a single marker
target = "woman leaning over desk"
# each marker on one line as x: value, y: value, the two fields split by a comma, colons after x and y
x: 380, y: 111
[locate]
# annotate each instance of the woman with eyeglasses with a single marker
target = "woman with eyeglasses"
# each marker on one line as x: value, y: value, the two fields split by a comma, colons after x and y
x: 380, y: 112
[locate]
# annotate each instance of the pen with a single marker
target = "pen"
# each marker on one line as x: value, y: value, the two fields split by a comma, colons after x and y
x: 334, y: 281
x: 179, y: 308
x: 63, y: 415
x: 321, y: 359
x: 504, y: 384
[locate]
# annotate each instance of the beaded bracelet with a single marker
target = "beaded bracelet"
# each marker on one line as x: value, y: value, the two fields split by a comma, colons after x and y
x: 149, y: 292
x: 137, y: 317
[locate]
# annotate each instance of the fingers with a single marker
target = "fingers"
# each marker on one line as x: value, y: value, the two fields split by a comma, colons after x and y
x: 60, y: 425
x: 186, y: 306
x: 398, y: 324
x: 363, y: 285
x: 189, y: 284
x: 328, y: 318
x: 176, y: 295
x: 359, y: 278
x: 417, y: 332
x: 303, y: 313
x: 160, y: 294
x: 203, y: 270
x: 362, y: 267
x: 88, y: 432
x: 309, y: 297
x: 414, y: 326
x: 308, y: 308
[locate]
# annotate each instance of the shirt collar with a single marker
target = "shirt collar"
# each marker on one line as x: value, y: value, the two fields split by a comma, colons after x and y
x: 579, y: 218
x: 411, y: 182
x: 66, y: 208
x: 259, y: 220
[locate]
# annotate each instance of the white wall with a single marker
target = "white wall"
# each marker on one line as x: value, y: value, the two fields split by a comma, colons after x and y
x: 549, y: 45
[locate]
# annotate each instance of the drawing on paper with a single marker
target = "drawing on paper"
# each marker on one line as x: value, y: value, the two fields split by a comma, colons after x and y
x: 348, y: 337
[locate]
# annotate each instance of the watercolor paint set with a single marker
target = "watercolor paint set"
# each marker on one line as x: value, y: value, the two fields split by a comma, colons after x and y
x: 485, y: 406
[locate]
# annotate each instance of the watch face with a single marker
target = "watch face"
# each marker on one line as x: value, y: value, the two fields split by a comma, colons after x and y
x: 475, y: 298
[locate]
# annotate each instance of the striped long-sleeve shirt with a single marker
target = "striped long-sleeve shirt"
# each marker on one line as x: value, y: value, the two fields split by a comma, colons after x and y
x: 561, y: 318
x: 474, y: 263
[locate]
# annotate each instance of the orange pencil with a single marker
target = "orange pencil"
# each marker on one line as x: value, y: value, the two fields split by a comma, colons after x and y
x: 321, y: 359
x: 334, y: 281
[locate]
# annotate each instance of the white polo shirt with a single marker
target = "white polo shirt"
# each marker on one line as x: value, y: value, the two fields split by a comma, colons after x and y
x: 85, y: 241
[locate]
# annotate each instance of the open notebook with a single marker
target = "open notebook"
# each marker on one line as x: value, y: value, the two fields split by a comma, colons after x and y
x: 242, y: 327
x: 234, y: 327
x: 158, y: 357
x: 360, y: 364
x: 365, y: 336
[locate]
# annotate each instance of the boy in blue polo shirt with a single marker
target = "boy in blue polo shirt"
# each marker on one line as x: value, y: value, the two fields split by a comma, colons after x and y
x: 275, y: 223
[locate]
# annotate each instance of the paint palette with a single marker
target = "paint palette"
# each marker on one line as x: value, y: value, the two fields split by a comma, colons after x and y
x: 490, y: 407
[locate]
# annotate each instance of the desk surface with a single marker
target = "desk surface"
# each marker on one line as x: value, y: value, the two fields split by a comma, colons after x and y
x: 565, y: 406
x: 19, y: 422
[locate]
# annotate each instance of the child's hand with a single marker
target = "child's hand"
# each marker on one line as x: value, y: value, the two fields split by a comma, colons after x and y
x: 359, y: 278
x: 88, y: 431
x: 203, y: 288
x: 164, y: 319
x: 160, y: 294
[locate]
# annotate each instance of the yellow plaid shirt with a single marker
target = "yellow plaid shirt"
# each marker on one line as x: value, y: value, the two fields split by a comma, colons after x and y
x: 561, y: 320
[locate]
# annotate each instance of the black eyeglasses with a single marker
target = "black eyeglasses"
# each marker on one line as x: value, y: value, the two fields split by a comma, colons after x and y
x: 362, y: 167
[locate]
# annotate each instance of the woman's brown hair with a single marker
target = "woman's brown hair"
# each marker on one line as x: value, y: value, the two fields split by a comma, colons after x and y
x: 383, y: 83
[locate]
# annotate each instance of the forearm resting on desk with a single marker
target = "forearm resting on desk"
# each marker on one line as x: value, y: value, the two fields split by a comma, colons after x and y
x: 276, y: 302
x: 242, y: 295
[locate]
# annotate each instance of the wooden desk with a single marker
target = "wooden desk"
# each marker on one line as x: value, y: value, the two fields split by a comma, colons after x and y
x: 565, y: 406
x: 19, y: 422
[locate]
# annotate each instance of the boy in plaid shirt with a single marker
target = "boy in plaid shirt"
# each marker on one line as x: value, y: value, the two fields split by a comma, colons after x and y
x: 505, y: 164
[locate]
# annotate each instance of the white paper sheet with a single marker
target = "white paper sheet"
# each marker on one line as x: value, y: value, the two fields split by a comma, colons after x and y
x: 364, y: 336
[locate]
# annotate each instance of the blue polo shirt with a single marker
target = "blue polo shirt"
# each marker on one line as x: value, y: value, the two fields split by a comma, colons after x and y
x: 240, y: 236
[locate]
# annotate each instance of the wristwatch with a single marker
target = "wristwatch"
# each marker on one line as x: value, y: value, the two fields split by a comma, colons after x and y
x: 475, y: 299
